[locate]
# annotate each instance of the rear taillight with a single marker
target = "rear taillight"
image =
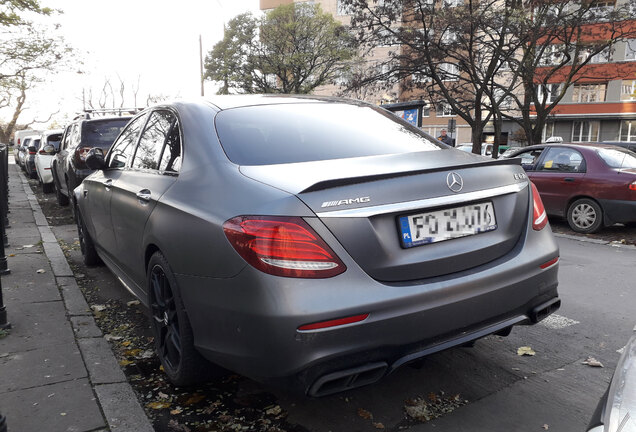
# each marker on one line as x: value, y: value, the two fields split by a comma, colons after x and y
x: 42, y: 152
x: 31, y: 152
x: 282, y: 246
x: 632, y: 186
x: 539, y: 217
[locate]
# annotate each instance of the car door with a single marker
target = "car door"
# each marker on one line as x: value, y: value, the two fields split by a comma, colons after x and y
x: 137, y: 191
x: 99, y: 188
x: 559, y: 176
x: 60, y: 157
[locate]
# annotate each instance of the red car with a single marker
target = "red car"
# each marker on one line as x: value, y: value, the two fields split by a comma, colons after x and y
x: 592, y: 185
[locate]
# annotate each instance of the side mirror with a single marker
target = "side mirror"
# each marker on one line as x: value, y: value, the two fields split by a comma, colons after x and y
x: 95, y: 159
x: 48, y: 150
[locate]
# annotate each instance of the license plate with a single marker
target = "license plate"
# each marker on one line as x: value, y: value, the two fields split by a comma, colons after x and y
x: 432, y: 227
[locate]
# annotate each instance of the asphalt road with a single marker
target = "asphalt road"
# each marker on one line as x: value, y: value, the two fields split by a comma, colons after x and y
x: 499, y: 390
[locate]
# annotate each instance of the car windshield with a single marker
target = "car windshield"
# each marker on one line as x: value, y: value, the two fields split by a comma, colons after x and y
x: 289, y: 133
x: 618, y: 158
x: 102, y: 133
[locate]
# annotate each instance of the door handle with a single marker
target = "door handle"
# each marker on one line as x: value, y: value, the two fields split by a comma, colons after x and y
x: 569, y: 179
x: 144, y: 195
x: 107, y: 184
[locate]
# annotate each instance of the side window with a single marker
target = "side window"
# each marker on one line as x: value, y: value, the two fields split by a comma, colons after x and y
x: 171, y: 156
x: 75, y: 136
x: 563, y: 159
x: 124, y: 148
x: 152, y: 140
x: 530, y: 158
x: 67, y: 137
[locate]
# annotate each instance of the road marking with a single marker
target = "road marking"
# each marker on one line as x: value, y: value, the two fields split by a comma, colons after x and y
x: 556, y: 322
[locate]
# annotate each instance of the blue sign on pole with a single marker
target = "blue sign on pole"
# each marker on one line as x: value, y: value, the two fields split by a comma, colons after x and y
x: 411, y: 116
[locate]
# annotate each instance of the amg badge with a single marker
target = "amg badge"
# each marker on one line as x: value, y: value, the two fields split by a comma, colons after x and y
x: 359, y: 200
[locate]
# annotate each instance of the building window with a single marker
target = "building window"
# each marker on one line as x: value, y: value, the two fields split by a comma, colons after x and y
x: 628, y: 90
x: 604, y: 56
x: 585, y: 131
x: 387, y: 37
x: 551, y: 91
x: 600, y: 9
x: 444, y: 110
x: 426, y: 110
x: 421, y: 77
x: 449, y: 71
x: 628, y: 130
x: 630, y: 49
x: 586, y: 93
x: 548, y: 131
x: 449, y: 37
x: 552, y: 55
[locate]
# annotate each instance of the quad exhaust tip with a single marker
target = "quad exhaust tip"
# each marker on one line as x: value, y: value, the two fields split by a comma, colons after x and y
x: 347, y: 379
x: 543, y: 310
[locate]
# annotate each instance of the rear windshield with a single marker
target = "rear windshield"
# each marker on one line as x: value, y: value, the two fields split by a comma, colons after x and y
x: 280, y: 134
x: 618, y: 158
x: 102, y: 133
x: 54, y: 140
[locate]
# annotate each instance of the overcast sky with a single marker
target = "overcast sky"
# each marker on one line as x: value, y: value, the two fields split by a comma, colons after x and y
x: 155, y: 40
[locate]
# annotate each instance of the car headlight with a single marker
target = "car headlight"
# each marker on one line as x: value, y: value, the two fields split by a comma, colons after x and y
x: 620, y: 411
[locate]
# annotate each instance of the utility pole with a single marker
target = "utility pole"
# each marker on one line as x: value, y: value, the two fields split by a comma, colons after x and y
x: 201, y: 65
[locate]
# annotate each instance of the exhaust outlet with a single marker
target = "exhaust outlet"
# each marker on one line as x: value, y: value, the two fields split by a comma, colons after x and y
x: 347, y: 379
x: 543, y: 310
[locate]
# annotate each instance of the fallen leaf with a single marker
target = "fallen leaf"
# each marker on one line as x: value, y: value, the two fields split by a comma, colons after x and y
x: 378, y: 425
x: 275, y: 410
x: 126, y: 343
x: 11, y: 255
x: 147, y: 354
x: 125, y: 362
x: 591, y: 361
x: 132, y: 303
x: 525, y: 351
x: 158, y: 405
x: 62, y: 414
x: 98, y: 308
x: 546, y: 427
x: 365, y: 414
x: 40, y: 271
x: 162, y: 395
x: 176, y: 411
x: 27, y: 246
x: 132, y: 352
x: 110, y: 337
x: 195, y: 399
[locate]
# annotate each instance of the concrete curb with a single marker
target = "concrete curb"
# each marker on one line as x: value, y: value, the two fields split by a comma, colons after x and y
x: 595, y: 241
x: 116, y: 397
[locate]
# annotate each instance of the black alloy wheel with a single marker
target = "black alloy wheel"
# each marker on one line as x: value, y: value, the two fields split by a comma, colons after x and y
x: 174, y: 340
x: 89, y: 254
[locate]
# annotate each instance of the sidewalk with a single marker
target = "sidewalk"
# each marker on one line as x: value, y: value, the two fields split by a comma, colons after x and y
x: 57, y: 372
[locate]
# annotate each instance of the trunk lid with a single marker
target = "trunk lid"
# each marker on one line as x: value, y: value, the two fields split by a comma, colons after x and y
x: 362, y: 201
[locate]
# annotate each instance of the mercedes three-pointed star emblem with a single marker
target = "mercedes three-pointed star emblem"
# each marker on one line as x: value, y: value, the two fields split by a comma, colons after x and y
x: 455, y: 182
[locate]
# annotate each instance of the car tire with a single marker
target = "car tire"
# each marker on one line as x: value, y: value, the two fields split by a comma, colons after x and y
x: 585, y: 216
x: 47, y: 187
x: 174, y: 340
x: 89, y: 254
x: 61, y: 198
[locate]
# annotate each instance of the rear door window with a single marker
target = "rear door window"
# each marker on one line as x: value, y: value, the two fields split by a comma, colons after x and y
x: 124, y: 148
x: 530, y: 158
x: 302, y: 132
x: 102, y: 133
x: 171, y: 155
x: 153, y: 139
x: 563, y: 159
x: 618, y: 158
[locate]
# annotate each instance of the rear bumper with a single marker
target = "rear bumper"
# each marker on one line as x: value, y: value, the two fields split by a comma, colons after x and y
x: 249, y: 323
x: 619, y: 211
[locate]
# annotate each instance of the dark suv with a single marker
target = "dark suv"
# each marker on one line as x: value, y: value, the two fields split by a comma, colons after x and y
x: 68, y: 167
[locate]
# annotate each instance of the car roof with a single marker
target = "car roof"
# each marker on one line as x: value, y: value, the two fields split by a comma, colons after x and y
x: 224, y: 102
x: 588, y: 146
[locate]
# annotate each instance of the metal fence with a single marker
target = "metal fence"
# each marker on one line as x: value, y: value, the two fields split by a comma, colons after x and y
x: 4, y: 224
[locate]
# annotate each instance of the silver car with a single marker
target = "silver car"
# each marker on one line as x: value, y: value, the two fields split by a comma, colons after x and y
x: 312, y: 242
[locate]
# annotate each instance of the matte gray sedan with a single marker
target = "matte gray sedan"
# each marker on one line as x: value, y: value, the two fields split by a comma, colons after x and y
x: 311, y: 242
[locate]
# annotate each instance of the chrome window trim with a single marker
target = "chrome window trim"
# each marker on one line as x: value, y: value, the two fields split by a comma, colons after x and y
x: 424, y: 203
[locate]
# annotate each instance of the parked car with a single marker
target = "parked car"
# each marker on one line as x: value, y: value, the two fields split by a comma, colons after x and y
x: 29, y: 156
x: 486, y: 149
x: 27, y: 152
x: 84, y: 133
x: 615, y: 411
x: 18, y: 138
x: 592, y: 185
x: 312, y: 242
x: 50, y: 144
